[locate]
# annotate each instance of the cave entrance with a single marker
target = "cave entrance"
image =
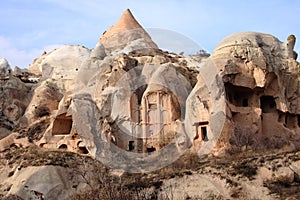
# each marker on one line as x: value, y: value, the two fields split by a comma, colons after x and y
x: 238, y: 95
x: 131, y: 145
x: 63, y: 147
x: 291, y: 121
x: 62, y: 125
x: 83, y: 150
x: 267, y: 104
x: 204, y: 133
x: 135, y: 104
x: 151, y: 149
x: 202, y: 130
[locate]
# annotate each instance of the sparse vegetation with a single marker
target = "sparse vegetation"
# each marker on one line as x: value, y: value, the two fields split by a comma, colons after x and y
x: 283, y: 189
x: 34, y: 132
x: 242, y: 137
x: 42, y: 111
x: 100, y: 184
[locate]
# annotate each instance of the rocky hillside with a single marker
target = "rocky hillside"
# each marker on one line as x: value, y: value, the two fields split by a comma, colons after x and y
x: 43, y: 174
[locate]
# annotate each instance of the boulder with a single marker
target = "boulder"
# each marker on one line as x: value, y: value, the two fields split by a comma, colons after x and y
x: 295, y: 167
x: 4, y: 68
x: 44, y: 182
x: 14, y: 98
x: 284, y: 175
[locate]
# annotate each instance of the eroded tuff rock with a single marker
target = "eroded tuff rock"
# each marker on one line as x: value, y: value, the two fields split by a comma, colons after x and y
x: 127, y: 103
x: 15, y: 96
x: 151, y: 85
x: 261, y: 85
x: 126, y: 35
x: 41, y: 173
x: 250, y: 81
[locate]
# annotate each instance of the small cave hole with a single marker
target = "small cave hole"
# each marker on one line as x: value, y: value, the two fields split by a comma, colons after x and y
x: 83, y: 150
x: 245, y: 102
x: 267, y: 104
x: 238, y: 95
x: 63, y: 146
x: 204, y: 133
x: 131, y: 145
x: 151, y: 149
x: 42, y: 144
x: 62, y: 125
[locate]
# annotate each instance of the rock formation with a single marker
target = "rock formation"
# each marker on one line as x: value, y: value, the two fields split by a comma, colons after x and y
x: 137, y: 108
x: 126, y: 35
x: 127, y: 93
x: 15, y: 97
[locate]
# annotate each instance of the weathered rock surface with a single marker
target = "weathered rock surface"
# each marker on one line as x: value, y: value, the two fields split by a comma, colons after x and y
x: 40, y: 173
x: 15, y: 96
x: 260, y: 86
x: 4, y: 68
x: 137, y: 108
x: 151, y: 85
x: 126, y: 35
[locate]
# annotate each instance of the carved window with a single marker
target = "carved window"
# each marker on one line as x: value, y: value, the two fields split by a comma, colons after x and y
x: 151, y: 149
x: 204, y: 133
x: 291, y: 121
x: 62, y: 125
x: 238, y: 95
x: 267, y: 104
x: 202, y: 130
x: 131, y: 145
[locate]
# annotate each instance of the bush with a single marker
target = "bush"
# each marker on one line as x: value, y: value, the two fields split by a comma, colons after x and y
x: 42, y: 111
x: 242, y: 137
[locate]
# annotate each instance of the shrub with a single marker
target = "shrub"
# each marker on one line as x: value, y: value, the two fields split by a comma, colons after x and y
x: 242, y: 137
x: 42, y: 111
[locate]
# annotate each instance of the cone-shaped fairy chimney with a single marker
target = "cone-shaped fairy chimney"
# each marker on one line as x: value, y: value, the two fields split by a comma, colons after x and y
x: 124, y: 31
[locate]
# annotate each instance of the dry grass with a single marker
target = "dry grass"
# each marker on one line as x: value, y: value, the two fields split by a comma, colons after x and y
x: 102, y: 185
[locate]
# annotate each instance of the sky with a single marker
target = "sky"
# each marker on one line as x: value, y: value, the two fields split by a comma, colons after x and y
x: 29, y: 27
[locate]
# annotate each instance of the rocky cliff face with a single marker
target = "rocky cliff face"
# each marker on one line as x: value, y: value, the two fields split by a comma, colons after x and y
x: 261, y: 79
x: 15, y: 97
x: 137, y: 108
x: 134, y: 96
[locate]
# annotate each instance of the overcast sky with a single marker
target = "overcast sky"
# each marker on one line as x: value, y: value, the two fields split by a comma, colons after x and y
x: 30, y: 26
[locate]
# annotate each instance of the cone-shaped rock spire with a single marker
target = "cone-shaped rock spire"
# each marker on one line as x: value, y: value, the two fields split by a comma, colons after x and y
x: 127, y: 29
x: 126, y: 22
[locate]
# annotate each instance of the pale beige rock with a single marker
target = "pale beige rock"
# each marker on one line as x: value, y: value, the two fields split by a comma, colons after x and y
x: 264, y: 173
x: 261, y: 85
x: 295, y: 167
x: 196, y: 186
x: 45, y: 100
x: 128, y: 92
x: 45, y: 182
x: 14, y: 98
x: 63, y: 63
x: 284, y: 175
x: 127, y: 35
x: 126, y: 97
x: 4, y: 68
x: 36, y: 67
